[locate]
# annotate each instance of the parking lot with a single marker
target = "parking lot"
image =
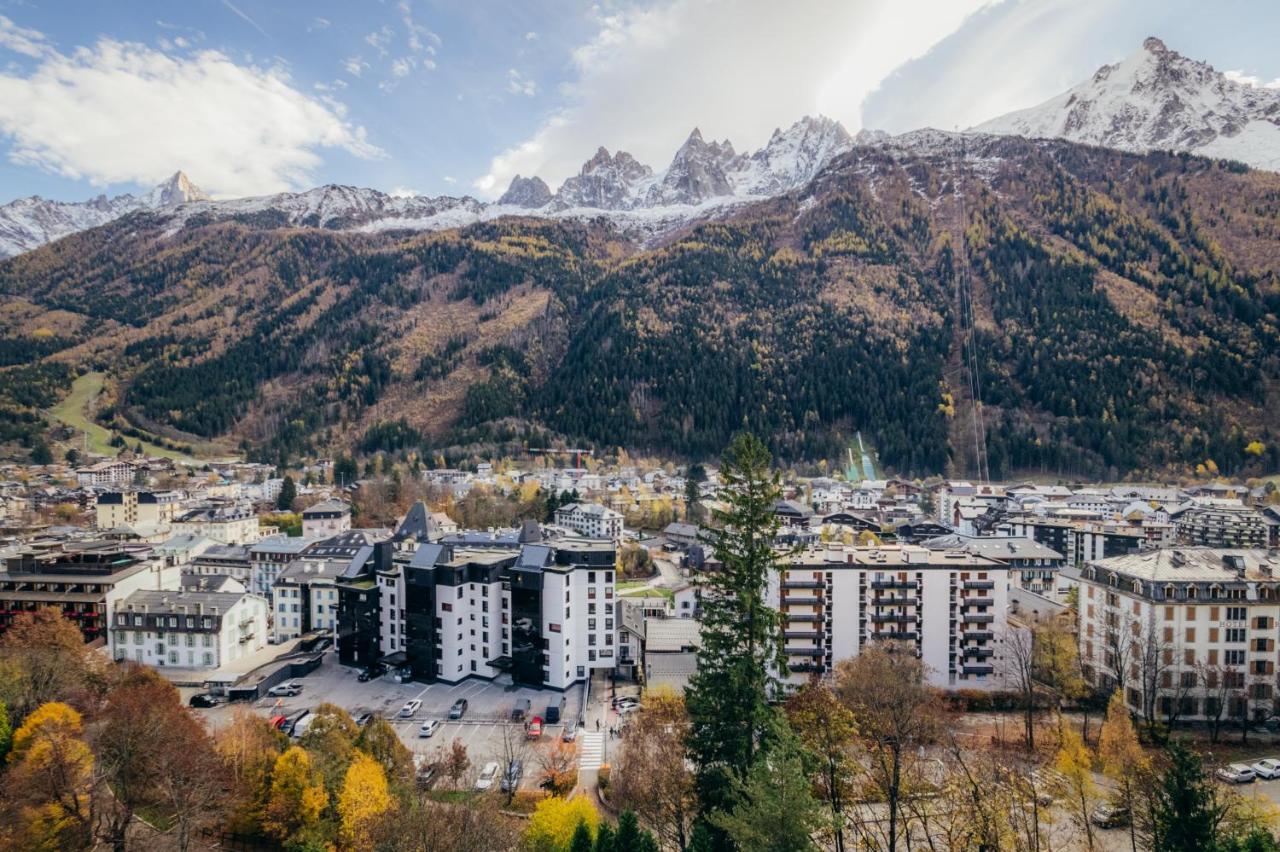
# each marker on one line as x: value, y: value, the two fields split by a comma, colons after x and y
x: 486, y: 728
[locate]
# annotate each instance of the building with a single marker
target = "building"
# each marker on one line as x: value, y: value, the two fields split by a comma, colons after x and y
x: 84, y: 580
x: 134, y: 508
x: 543, y: 612
x: 1189, y: 633
x: 1034, y: 566
x: 270, y: 556
x: 670, y: 652
x: 113, y: 472
x: 1078, y: 541
x: 188, y: 629
x: 1221, y: 526
x: 682, y: 535
x: 950, y: 605
x: 791, y: 513
x: 327, y: 518
x: 591, y: 520
x: 226, y: 523
x: 305, y: 597
x: 231, y: 560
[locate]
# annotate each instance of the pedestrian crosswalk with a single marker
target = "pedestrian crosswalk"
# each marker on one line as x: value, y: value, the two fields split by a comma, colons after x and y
x: 592, y: 750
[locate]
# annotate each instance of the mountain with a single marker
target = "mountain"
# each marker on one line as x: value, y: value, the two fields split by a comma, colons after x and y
x: 1120, y: 311
x: 703, y: 179
x: 1158, y: 100
x: 30, y: 222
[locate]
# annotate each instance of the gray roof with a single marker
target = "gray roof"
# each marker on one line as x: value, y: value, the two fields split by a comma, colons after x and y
x: 171, y: 602
x: 1190, y: 564
x: 671, y: 634
x: 994, y: 547
x: 327, y: 507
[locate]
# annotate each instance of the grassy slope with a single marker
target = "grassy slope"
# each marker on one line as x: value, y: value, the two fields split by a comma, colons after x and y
x: 73, y: 411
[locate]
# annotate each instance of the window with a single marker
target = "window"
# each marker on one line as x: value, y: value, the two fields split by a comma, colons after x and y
x: 1235, y: 613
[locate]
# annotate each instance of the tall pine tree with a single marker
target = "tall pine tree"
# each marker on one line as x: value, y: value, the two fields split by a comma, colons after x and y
x: 1186, y: 812
x: 728, y: 698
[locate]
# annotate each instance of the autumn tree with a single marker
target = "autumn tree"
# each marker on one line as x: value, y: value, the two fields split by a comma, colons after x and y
x: 43, y: 658
x: 827, y: 732
x: 298, y: 798
x: 363, y: 802
x: 423, y: 824
x: 455, y: 761
x: 330, y: 740
x: 190, y: 779
x: 6, y: 732
x: 380, y: 741
x: 651, y: 776
x: 248, y: 748
x: 896, y: 713
x: 558, y: 768
x: 728, y: 697
x: 48, y: 788
x: 1074, y: 764
x: 1123, y: 759
x: 554, y: 821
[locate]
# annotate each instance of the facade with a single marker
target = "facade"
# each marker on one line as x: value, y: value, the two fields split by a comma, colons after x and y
x: 1033, y: 566
x: 115, y: 472
x: 1078, y: 541
x: 269, y: 557
x: 950, y: 605
x: 1222, y: 526
x: 327, y: 518
x: 188, y: 629
x: 591, y: 520
x: 231, y: 560
x: 1188, y: 633
x: 134, y: 508
x: 229, y: 524
x: 544, y: 612
x: 305, y: 598
x: 85, y: 580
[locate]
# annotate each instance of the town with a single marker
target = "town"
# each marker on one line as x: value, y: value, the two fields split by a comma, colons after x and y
x: 523, y: 653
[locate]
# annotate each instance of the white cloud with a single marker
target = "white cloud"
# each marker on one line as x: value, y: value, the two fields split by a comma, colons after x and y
x: 319, y: 24
x: 531, y: 36
x: 379, y: 40
x: 122, y: 112
x: 518, y: 84
x: 735, y: 70
x: 354, y: 65
x: 1251, y: 80
x: 421, y: 39
x: 22, y: 40
x: 404, y: 192
x: 450, y: 179
x: 401, y: 67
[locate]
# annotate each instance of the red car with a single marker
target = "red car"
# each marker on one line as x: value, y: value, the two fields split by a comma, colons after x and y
x: 533, y: 730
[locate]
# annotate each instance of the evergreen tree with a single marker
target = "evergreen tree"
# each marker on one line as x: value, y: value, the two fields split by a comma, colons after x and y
x: 1186, y: 811
x: 604, y: 838
x: 288, y: 493
x: 582, y: 839
x: 728, y: 698
x: 40, y: 453
x: 73, y: 457
x: 631, y: 837
x: 774, y: 808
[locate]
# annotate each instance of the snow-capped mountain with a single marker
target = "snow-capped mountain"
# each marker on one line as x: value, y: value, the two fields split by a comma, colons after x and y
x: 526, y: 192
x: 1157, y: 99
x: 33, y: 221
x: 606, y: 182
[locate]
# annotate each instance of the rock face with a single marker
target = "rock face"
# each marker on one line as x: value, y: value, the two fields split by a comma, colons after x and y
x: 175, y: 191
x: 530, y: 192
x: 698, y: 172
x: 606, y: 182
x: 1157, y: 99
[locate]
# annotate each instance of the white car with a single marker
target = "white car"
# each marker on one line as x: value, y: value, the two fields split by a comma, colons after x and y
x: 429, y: 727
x: 410, y: 707
x: 1268, y: 768
x: 487, y: 776
x: 287, y: 688
x: 1236, y: 773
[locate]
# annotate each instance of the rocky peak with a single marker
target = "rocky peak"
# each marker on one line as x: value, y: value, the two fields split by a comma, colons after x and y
x: 698, y: 172
x: 176, y: 190
x: 528, y: 192
x: 608, y: 182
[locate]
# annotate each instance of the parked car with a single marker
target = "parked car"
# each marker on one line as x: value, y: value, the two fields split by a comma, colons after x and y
x: 369, y: 674
x: 1107, y: 815
x: 1268, y: 768
x: 364, y: 719
x: 511, y: 778
x: 570, y: 731
x: 520, y: 710
x: 410, y: 707
x: 628, y: 707
x: 1236, y: 773
x: 301, y: 725
x: 204, y: 699
x: 289, y: 687
x: 459, y: 707
x: 487, y: 774
x: 278, y: 722
x: 429, y: 727
x: 533, y: 730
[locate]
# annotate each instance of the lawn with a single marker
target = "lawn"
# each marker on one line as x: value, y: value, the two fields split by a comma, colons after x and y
x: 74, y: 411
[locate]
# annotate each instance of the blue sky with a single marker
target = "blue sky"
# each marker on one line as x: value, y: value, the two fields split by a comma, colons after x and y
x: 442, y: 97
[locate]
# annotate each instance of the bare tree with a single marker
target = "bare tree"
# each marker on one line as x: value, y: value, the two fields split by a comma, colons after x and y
x: 652, y: 777
x: 1215, y: 682
x: 512, y: 746
x: 1019, y: 673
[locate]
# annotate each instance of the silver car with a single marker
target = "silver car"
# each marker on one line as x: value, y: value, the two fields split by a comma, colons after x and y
x: 1237, y: 773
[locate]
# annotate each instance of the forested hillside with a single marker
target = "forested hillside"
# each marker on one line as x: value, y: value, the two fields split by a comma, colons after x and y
x: 1123, y: 311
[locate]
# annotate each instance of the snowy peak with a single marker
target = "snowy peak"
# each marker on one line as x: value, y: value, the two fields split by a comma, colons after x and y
x: 175, y: 191
x: 530, y: 192
x: 794, y: 156
x: 698, y: 172
x: 606, y: 182
x: 1157, y: 99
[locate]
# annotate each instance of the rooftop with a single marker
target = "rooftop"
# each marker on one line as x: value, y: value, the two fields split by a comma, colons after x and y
x: 1190, y: 564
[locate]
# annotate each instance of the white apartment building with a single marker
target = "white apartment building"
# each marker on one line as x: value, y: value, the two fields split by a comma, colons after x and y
x: 305, y: 598
x: 133, y: 508
x: 949, y: 604
x: 228, y: 524
x: 543, y: 612
x: 1188, y: 632
x: 329, y: 517
x: 270, y: 556
x: 591, y: 520
x: 188, y: 629
x: 115, y: 472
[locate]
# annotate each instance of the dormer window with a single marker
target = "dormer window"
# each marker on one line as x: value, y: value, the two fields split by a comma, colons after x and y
x: 1168, y: 592
x: 1191, y: 592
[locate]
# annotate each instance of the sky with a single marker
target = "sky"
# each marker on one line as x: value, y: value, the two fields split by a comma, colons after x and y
x: 451, y: 98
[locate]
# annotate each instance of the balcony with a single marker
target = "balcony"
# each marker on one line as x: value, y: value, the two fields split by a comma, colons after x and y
x: 978, y: 635
x: 977, y: 618
x: 801, y: 601
x: 893, y: 634
x: 977, y: 602
x: 893, y: 584
x: 978, y: 653
x: 805, y: 667
x: 804, y: 616
x: 803, y: 652
x: 802, y: 584
x: 978, y: 670
x: 895, y: 600
x: 979, y: 584
x: 892, y: 618
x: 800, y: 634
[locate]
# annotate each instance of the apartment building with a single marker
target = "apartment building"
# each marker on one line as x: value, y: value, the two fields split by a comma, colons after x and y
x: 113, y: 472
x: 1078, y: 541
x: 269, y: 557
x: 1189, y: 633
x: 544, y: 612
x: 1221, y: 526
x: 305, y: 597
x: 84, y: 580
x: 188, y: 629
x: 591, y: 520
x: 949, y: 604
x: 1033, y: 566
x: 326, y: 518
x: 136, y: 508
x: 225, y: 523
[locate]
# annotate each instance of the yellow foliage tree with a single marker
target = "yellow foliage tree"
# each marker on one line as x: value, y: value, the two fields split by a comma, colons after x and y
x: 49, y: 780
x: 297, y: 795
x: 1074, y: 763
x: 364, y: 800
x: 553, y: 822
x: 1123, y: 760
x: 1255, y: 448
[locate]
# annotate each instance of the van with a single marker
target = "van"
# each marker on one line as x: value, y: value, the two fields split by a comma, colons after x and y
x: 553, y: 712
